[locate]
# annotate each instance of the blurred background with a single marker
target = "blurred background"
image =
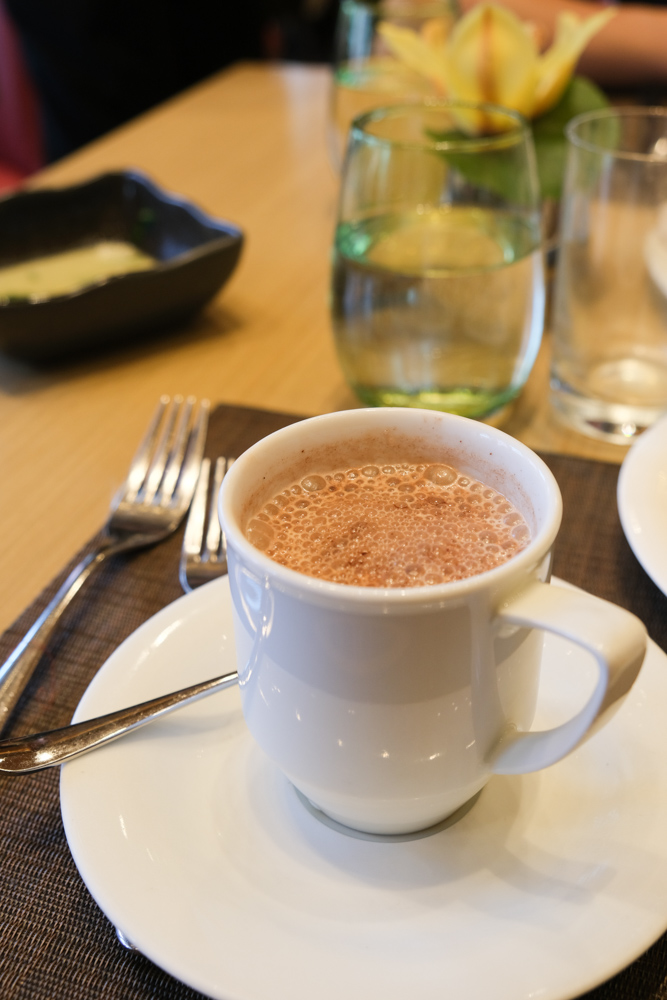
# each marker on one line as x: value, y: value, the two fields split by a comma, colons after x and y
x: 72, y: 70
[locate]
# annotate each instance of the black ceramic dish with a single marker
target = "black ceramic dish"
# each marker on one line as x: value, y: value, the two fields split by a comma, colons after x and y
x: 195, y: 255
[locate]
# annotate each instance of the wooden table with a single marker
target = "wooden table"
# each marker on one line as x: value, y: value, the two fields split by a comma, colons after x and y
x: 249, y: 146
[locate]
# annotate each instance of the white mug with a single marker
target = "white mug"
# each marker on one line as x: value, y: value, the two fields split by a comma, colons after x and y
x: 391, y: 708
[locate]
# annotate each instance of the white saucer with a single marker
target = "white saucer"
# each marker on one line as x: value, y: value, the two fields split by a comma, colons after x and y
x: 642, y: 501
x: 206, y: 859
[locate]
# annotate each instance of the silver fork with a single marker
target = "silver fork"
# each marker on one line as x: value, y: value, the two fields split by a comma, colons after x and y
x: 149, y: 506
x: 203, y: 558
x: 204, y: 553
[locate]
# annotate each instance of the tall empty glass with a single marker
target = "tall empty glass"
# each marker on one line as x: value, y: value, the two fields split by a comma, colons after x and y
x: 609, y: 369
x: 366, y: 74
x: 438, y: 282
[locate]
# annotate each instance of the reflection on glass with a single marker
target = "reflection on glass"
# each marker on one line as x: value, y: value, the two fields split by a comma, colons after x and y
x: 366, y: 75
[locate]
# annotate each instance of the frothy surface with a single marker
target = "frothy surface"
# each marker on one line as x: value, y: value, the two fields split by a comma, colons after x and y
x: 389, y: 526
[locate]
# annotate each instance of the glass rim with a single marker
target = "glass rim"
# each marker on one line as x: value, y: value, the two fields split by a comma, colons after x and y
x: 472, y: 143
x: 608, y: 114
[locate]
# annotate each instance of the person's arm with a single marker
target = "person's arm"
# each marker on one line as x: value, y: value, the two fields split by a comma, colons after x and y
x: 630, y: 49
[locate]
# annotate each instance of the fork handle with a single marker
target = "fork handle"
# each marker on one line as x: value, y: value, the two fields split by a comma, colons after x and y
x: 18, y: 668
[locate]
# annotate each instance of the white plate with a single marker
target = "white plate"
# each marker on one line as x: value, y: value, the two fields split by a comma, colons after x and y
x: 642, y: 501
x: 207, y: 860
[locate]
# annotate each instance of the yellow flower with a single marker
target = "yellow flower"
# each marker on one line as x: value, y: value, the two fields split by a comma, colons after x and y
x: 557, y: 64
x: 492, y: 56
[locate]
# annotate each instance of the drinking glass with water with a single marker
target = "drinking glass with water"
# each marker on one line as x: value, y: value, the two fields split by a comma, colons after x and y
x: 438, y: 279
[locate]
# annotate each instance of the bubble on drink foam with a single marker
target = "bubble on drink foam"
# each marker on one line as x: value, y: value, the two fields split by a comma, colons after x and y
x: 313, y: 483
x: 397, y: 525
x: 441, y: 475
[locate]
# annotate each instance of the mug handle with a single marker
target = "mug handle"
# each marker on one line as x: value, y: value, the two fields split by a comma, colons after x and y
x: 617, y: 640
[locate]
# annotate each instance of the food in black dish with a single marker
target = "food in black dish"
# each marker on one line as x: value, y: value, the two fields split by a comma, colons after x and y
x: 193, y: 255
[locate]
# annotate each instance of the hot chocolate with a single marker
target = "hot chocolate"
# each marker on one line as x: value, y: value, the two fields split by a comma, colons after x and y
x: 389, y: 525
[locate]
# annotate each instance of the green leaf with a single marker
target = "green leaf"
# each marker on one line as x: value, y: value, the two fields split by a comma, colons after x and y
x: 579, y: 96
x: 500, y: 173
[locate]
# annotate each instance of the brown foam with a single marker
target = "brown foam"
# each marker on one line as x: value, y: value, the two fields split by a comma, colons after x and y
x: 394, y: 525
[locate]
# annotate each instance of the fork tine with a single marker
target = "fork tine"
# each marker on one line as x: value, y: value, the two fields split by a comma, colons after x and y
x: 194, y: 528
x: 161, y: 451
x: 214, y: 532
x: 166, y: 488
x: 194, y: 453
x: 141, y: 461
x: 204, y: 554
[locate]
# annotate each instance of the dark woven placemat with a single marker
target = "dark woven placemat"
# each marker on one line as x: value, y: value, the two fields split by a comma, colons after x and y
x: 55, y: 944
